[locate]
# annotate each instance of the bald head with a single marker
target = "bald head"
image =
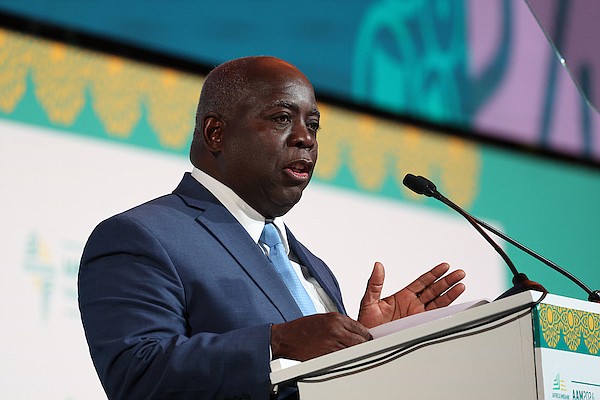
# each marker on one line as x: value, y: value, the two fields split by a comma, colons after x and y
x: 228, y: 86
x: 224, y: 87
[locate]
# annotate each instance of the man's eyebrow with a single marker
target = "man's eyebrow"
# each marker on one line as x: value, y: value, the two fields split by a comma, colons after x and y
x: 292, y: 106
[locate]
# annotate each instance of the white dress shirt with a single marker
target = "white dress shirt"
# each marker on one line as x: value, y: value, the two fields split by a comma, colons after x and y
x: 253, y: 222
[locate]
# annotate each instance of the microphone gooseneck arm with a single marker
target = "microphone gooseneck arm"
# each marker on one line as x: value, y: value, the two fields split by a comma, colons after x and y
x: 476, y: 224
x: 424, y: 186
x: 537, y: 256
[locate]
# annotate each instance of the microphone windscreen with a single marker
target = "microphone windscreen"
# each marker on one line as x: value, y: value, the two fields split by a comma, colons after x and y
x: 419, y: 184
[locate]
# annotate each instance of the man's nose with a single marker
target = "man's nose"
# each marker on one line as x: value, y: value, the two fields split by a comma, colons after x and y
x: 302, y: 136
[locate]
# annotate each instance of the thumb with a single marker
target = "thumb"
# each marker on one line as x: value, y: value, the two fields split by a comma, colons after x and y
x: 374, y: 285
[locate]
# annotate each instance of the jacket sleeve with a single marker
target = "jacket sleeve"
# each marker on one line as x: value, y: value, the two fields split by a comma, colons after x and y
x: 134, y: 310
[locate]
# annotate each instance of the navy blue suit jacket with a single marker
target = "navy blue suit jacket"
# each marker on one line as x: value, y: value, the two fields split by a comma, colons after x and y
x: 177, y: 300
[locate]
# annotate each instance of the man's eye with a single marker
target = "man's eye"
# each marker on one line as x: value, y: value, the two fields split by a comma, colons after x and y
x: 282, y: 118
x: 314, y: 126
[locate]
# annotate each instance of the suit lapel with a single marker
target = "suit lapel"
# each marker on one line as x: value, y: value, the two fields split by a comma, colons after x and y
x: 215, y: 218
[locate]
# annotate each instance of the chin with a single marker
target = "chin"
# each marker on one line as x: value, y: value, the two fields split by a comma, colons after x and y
x: 282, y: 207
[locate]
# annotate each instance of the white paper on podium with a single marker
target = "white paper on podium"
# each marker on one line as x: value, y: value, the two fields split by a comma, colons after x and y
x: 281, y: 363
x: 421, y: 318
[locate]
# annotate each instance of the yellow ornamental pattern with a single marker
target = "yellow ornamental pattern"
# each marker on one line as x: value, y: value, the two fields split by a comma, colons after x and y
x: 460, y: 170
x: 376, y: 150
x: 66, y: 77
x: 60, y: 77
x: 335, y: 124
x: 571, y: 323
x: 172, y: 98
x: 574, y: 327
x: 116, y: 95
x: 14, y: 59
x: 591, y: 332
x: 550, y: 324
x: 123, y: 94
x: 368, y: 153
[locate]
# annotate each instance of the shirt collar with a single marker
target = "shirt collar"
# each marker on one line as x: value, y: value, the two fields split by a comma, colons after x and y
x: 250, y: 219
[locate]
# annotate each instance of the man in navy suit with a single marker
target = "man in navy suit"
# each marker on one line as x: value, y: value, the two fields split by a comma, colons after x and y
x: 178, y: 297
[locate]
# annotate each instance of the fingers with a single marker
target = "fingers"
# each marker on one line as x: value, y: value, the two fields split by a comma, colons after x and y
x: 436, y: 290
x: 315, y: 335
x: 447, y: 298
x: 429, y: 277
x: 374, y: 286
x: 361, y: 333
x: 431, y: 286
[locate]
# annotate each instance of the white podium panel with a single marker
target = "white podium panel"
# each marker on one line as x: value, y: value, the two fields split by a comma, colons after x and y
x: 493, y: 351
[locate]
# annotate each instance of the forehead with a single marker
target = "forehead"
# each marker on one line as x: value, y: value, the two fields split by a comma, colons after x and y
x: 286, y: 91
x: 270, y: 79
x: 293, y: 92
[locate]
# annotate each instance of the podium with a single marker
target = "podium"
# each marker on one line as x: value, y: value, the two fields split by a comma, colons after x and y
x: 520, y: 347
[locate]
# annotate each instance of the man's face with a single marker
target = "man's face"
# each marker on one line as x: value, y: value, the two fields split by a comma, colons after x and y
x: 269, y: 142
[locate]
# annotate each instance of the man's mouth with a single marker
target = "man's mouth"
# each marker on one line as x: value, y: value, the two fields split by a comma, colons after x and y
x: 300, y: 169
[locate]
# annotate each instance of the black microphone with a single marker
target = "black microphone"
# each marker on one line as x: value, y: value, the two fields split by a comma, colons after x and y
x: 424, y: 186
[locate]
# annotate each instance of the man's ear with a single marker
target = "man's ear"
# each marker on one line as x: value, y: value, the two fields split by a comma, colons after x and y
x: 212, y: 131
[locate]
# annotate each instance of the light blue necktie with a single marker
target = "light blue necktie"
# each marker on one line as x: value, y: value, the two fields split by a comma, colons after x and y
x: 277, y: 255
